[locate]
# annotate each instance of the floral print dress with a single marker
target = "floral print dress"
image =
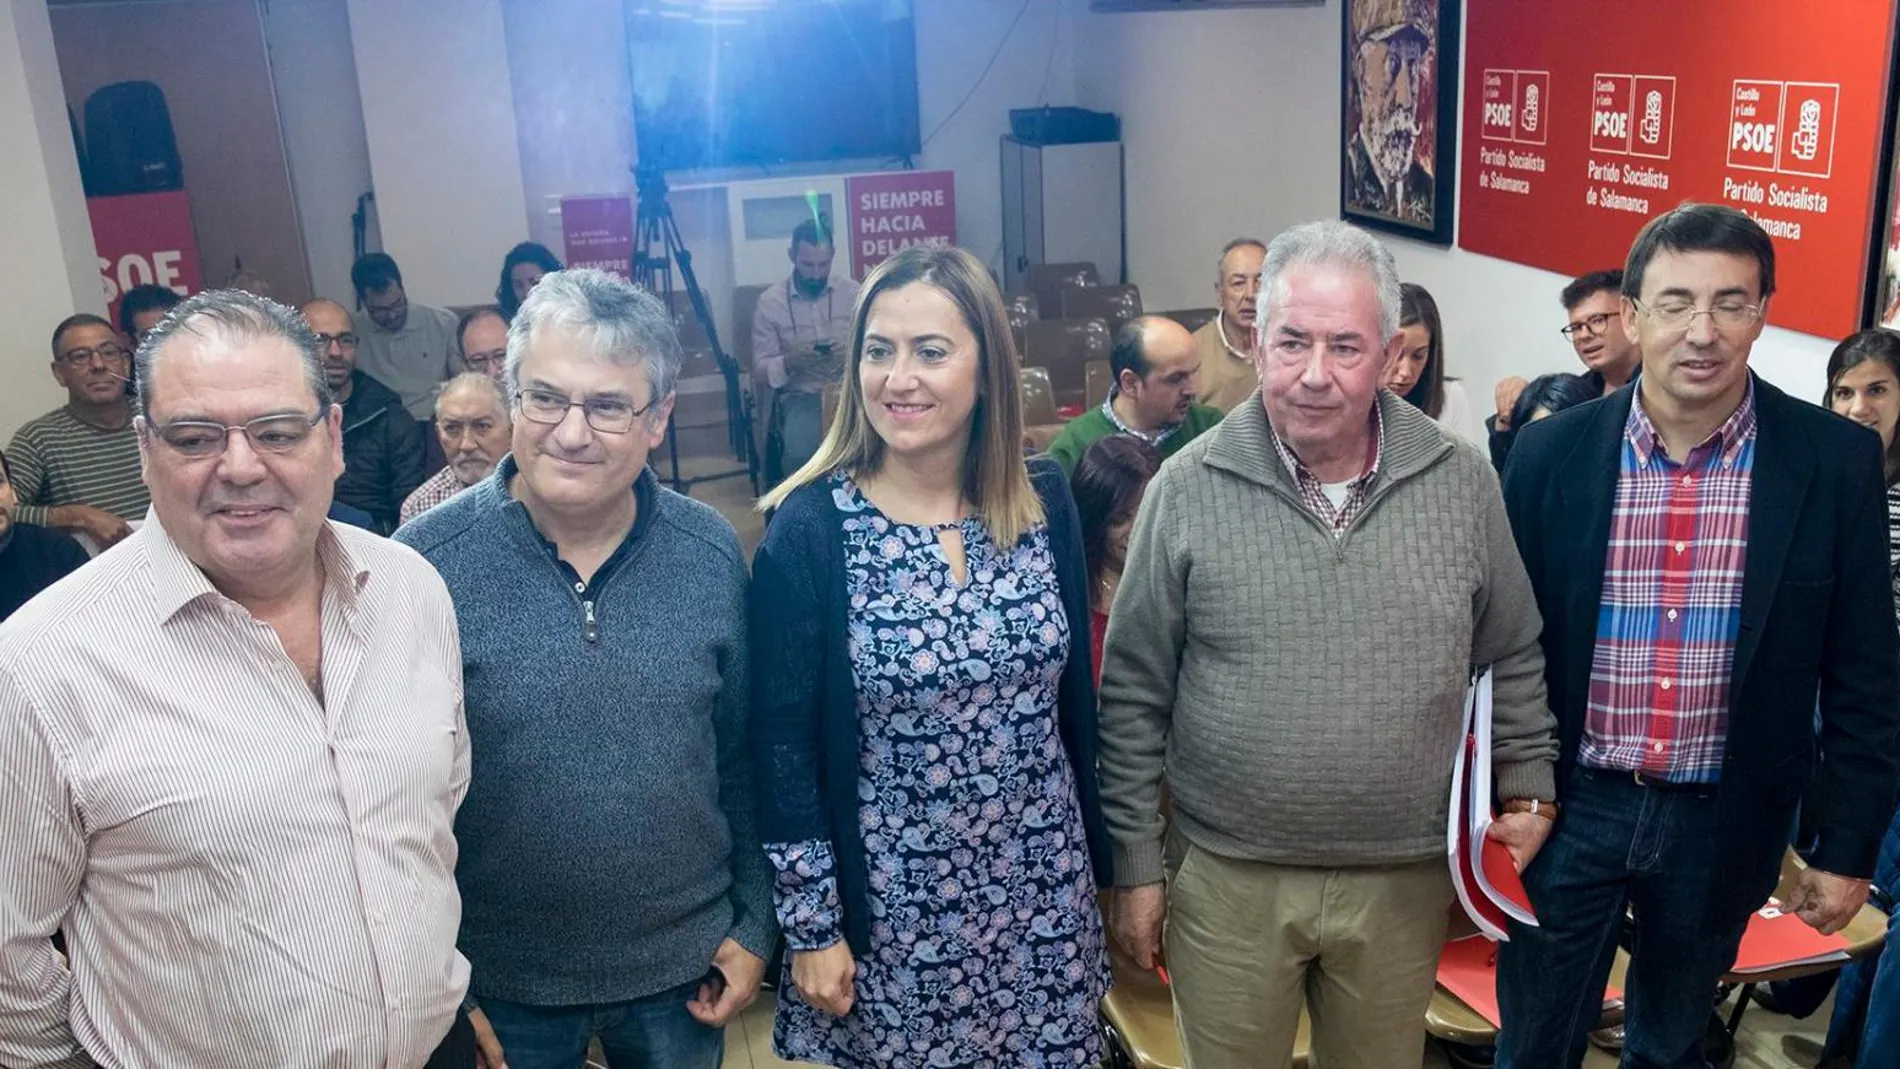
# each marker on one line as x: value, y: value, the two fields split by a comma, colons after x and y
x: 986, y: 944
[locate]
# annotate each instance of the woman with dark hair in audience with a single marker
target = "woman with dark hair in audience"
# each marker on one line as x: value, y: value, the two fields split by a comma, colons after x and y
x: 1418, y: 372
x: 520, y: 270
x: 31, y: 558
x: 923, y: 710
x: 1546, y: 395
x: 1109, y: 480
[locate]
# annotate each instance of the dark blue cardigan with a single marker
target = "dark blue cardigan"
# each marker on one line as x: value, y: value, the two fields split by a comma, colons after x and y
x: 805, y: 702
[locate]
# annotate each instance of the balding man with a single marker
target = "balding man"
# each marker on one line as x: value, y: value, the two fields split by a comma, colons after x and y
x: 482, y: 339
x: 1155, y: 362
x: 384, y: 449
x: 471, y: 422
x: 1225, y: 343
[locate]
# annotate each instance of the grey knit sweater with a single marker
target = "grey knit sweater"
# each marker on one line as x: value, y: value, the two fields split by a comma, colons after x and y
x: 1302, y: 692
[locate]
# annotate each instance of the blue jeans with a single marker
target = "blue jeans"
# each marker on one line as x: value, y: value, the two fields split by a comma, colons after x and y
x: 1618, y: 844
x: 654, y: 1032
x: 1867, y: 1005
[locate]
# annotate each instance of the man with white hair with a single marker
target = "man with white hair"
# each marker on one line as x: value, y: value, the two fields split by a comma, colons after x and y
x: 614, y: 882
x: 471, y: 422
x: 1307, y: 586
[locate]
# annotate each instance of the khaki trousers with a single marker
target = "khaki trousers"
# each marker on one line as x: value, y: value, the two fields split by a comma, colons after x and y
x: 1248, y: 942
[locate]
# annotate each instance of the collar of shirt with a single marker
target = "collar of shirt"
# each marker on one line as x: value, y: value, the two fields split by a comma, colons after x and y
x: 177, y: 582
x: 645, y: 497
x: 1220, y: 327
x: 1302, y: 474
x: 1726, y: 442
x: 1166, y: 432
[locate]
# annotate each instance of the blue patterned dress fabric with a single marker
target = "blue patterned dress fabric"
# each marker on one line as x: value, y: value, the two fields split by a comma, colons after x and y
x: 987, y: 946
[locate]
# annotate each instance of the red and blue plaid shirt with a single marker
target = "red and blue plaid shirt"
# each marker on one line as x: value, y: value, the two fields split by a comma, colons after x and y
x: 1672, y: 603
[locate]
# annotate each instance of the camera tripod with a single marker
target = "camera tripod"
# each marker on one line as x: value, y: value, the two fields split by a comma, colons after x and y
x: 657, y: 251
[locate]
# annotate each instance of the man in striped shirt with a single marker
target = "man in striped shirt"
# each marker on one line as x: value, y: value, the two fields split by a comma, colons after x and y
x: 1708, y: 554
x: 77, y: 467
x: 233, y: 750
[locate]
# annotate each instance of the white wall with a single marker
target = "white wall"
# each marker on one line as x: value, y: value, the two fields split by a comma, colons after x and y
x: 1231, y: 125
x: 314, y: 70
x: 439, y: 113
x: 50, y: 269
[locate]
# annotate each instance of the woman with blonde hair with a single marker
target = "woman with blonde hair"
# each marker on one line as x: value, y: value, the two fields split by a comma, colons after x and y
x: 924, y: 709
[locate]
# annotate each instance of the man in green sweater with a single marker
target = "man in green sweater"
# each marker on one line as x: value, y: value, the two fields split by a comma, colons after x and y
x: 1156, y: 363
x: 1306, y: 589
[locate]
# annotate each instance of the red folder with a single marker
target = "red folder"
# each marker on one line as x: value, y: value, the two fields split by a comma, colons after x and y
x: 1483, y: 871
x: 1776, y: 940
x: 1468, y: 968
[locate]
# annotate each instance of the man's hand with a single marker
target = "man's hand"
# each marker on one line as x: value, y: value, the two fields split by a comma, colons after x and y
x: 1521, y: 833
x: 1506, y: 395
x: 1826, y: 902
x: 1139, y: 913
x: 95, y: 523
x: 826, y: 978
x: 487, y: 1047
x: 716, y: 1005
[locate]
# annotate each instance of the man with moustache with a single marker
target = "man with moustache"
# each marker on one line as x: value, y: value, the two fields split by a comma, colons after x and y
x: 385, y: 452
x: 1391, y: 41
x: 471, y: 422
x: 799, y: 334
x: 77, y: 467
x: 1225, y: 344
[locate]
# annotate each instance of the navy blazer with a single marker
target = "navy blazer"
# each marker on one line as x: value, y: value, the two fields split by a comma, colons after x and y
x: 1817, y: 621
x: 805, y: 703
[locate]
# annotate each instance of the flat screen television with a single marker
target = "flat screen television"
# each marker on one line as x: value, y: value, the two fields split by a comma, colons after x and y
x: 738, y: 83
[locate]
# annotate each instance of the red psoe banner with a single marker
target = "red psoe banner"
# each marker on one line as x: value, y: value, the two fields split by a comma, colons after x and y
x: 897, y: 209
x: 597, y: 232
x: 1585, y: 118
x: 144, y: 239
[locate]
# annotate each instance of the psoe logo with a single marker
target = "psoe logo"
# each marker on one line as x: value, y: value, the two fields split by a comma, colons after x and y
x: 1530, y: 108
x: 1805, y: 142
x: 1650, y: 130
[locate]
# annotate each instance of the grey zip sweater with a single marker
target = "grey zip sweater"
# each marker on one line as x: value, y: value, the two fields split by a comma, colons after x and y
x: 1301, y: 691
x: 608, y: 842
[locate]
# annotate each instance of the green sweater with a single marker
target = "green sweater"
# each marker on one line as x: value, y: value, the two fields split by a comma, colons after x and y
x: 1091, y: 426
x: 1302, y: 692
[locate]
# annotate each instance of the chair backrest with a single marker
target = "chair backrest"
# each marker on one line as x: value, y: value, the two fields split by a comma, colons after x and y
x: 1022, y: 308
x: 1096, y: 377
x: 1191, y: 318
x: 1065, y: 346
x: 745, y: 305
x: 1115, y: 304
x: 1046, y: 282
x: 1039, y: 396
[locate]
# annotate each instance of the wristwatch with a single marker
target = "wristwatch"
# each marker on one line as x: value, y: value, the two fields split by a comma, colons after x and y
x: 1536, y: 807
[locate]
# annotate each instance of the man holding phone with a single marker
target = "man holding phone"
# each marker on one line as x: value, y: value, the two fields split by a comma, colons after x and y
x: 799, y: 335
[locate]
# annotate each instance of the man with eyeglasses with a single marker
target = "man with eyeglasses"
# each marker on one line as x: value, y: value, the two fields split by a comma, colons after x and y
x: 410, y: 348
x: 482, y: 339
x: 613, y: 877
x: 1709, y: 555
x: 472, y: 424
x: 77, y: 467
x: 385, y: 450
x: 233, y: 756
x: 1593, y: 305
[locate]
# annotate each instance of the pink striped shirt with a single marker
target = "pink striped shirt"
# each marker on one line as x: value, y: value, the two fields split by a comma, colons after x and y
x: 246, y: 877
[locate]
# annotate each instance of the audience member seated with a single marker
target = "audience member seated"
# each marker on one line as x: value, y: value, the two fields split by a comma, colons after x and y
x: 1418, y: 372
x: 384, y: 449
x: 1154, y: 362
x: 520, y: 270
x: 142, y: 307
x: 77, y: 467
x: 409, y: 348
x: 1594, y: 304
x: 471, y: 420
x: 482, y: 339
x: 1546, y: 396
x: 799, y: 334
x: 1108, y: 483
x: 1225, y: 344
x: 32, y: 557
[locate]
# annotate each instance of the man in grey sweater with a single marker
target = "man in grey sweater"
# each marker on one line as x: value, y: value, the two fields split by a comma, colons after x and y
x: 1307, y: 588
x: 612, y: 879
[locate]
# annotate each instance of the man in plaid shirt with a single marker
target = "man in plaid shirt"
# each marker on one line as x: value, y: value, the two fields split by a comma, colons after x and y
x: 1708, y: 556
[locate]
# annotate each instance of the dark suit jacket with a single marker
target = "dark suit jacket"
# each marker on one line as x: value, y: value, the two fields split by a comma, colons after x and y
x: 1817, y: 618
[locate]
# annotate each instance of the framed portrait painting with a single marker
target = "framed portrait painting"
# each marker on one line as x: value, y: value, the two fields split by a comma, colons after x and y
x: 1399, y: 116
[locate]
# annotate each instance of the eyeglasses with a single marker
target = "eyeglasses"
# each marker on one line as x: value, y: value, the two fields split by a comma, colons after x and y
x: 1592, y: 325
x: 110, y: 352
x: 608, y: 415
x: 346, y: 342
x: 1679, y: 315
x: 267, y: 434
x: 487, y: 362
